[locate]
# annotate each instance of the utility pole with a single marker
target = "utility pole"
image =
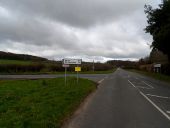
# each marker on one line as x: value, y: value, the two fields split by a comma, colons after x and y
x: 93, y: 65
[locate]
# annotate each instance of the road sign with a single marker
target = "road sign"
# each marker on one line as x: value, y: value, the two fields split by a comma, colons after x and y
x: 66, y: 65
x: 77, y: 69
x: 72, y: 61
x: 157, y: 65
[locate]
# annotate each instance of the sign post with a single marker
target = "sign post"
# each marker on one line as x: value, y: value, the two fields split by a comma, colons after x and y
x: 65, y: 66
x: 73, y: 62
x: 65, y: 75
x: 77, y: 69
x: 157, y: 68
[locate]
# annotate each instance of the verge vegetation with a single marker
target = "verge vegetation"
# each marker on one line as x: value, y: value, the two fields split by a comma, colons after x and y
x: 40, y: 103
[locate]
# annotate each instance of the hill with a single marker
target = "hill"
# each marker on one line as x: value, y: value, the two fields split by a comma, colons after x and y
x: 14, y: 56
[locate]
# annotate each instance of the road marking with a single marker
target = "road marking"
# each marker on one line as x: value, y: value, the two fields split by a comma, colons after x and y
x: 160, y: 110
x: 143, y: 87
x: 168, y: 112
x: 99, y: 82
x: 158, y: 96
x: 132, y: 84
x: 148, y: 84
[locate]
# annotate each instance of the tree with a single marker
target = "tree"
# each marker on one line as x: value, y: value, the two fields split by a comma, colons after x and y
x: 159, y: 26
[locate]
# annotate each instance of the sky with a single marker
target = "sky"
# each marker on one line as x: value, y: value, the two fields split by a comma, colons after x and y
x: 88, y: 29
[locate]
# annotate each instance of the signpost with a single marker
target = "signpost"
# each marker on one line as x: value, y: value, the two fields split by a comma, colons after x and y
x: 77, y: 69
x: 157, y: 68
x: 72, y: 61
x: 67, y: 62
x: 66, y: 66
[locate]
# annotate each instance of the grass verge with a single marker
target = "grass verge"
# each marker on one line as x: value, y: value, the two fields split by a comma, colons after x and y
x: 43, y: 103
x: 157, y: 76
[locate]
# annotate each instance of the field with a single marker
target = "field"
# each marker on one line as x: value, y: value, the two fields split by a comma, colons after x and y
x: 43, y: 103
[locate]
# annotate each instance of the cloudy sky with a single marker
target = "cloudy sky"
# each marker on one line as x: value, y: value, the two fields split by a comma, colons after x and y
x: 87, y: 29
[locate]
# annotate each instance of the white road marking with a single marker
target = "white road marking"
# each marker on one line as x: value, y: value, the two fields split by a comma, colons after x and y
x: 148, y: 84
x: 160, y: 110
x: 143, y: 87
x: 168, y: 112
x: 158, y: 96
x: 132, y: 84
x: 99, y: 82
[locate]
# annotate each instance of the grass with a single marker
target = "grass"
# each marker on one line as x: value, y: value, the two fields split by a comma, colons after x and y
x: 153, y: 75
x: 43, y: 103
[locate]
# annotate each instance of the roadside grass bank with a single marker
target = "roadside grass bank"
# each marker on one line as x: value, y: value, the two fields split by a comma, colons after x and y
x: 42, y: 103
x: 157, y: 76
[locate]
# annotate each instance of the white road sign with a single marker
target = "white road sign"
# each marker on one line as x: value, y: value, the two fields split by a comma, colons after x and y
x: 157, y: 65
x: 72, y: 61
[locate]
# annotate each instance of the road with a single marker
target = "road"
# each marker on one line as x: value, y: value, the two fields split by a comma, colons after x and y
x: 123, y: 100
x: 126, y: 100
x: 94, y: 77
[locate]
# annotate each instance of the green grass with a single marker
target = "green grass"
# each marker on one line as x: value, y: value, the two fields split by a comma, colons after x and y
x: 21, y: 62
x: 43, y: 103
x: 153, y: 75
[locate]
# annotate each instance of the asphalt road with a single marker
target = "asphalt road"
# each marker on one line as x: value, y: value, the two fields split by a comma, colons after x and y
x: 126, y: 100
x: 94, y: 77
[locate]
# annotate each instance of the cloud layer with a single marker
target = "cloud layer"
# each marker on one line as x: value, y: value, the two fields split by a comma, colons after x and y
x: 75, y: 28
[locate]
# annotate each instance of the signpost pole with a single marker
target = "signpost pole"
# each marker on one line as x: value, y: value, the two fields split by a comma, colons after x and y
x: 77, y: 77
x: 93, y: 65
x: 67, y: 62
x: 65, y: 75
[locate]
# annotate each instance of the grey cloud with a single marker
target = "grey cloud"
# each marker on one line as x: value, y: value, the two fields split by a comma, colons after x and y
x: 58, y: 28
x: 75, y: 12
x: 37, y: 32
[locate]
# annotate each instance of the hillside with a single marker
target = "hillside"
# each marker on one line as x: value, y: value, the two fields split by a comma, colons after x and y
x: 14, y: 56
